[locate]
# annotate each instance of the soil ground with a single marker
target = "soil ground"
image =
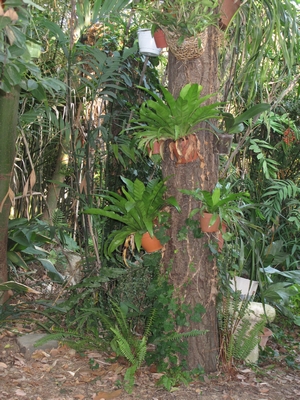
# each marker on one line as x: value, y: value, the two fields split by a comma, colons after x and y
x: 63, y: 374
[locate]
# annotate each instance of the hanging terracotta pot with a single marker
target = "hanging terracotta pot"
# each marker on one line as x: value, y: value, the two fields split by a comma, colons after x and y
x: 160, y: 38
x: 150, y: 244
x: 147, y: 44
x: 185, y: 150
x: 205, y: 223
x: 265, y: 337
x: 227, y: 10
x: 156, y: 148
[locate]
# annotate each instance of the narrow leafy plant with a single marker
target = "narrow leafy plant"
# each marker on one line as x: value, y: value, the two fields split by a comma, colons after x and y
x: 140, y: 209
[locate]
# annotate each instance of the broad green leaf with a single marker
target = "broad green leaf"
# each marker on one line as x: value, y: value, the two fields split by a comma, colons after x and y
x: 52, y: 271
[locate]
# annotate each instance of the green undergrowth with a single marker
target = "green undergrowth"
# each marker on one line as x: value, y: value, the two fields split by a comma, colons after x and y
x: 131, y: 310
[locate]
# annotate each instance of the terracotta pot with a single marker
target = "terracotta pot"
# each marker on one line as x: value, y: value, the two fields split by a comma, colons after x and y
x: 265, y: 337
x: 220, y: 237
x: 155, y: 149
x: 150, y: 244
x: 205, y: 223
x: 185, y: 150
x: 227, y: 10
x: 160, y: 39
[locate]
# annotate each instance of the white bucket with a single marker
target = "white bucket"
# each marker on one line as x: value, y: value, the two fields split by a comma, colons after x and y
x: 147, y: 43
x: 247, y: 287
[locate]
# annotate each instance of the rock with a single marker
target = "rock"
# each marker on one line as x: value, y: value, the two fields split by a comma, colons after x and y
x: 27, y: 344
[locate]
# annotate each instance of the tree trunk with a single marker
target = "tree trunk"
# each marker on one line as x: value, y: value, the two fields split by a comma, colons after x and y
x: 193, y: 271
x: 58, y: 178
x: 9, y: 104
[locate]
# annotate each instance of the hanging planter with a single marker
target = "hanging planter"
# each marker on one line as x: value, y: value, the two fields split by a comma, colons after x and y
x: 190, y: 48
x: 224, y: 143
x: 227, y: 11
x: 185, y: 150
x: 147, y: 44
x: 156, y: 149
x: 206, y: 225
x: 150, y: 244
x: 160, y: 39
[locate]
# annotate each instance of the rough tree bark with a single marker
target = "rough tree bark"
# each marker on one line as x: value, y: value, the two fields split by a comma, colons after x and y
x: 9, y: 104
x: 58, y: 178
x: 193, y: 272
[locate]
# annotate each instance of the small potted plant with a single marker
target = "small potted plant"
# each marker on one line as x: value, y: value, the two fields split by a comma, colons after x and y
x: 139, y: 209
x: 221, y: 206
x: 175, y: 120
x: 184, y: 22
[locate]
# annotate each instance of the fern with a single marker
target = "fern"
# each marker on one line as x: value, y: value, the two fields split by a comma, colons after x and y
x: 247, y: 338
x: 237, y: 336
x: 58, y: 219
x: 124, y: 346
x: 275, y: 196
x: 269, y: 166
x: 126, y: 343
x: 184, y: 335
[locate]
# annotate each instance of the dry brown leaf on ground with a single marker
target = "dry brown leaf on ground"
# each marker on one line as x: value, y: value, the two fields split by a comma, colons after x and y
x: 108, y: 395
x: 39, y: 355
x: 20, y: 392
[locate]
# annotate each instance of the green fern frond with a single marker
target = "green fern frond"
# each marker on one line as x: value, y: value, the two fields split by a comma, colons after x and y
x: 237, y: 337
x: 124, y: 346
x: 58, y: 218
x: 246, y: 339
x: 149, y: 323
x: 175, y: 336
x: 142, y: 349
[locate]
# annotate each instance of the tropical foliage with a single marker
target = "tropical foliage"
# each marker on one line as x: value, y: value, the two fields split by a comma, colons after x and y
x: 85, y: 103
x: 171, y: 118
x: 139, y: 210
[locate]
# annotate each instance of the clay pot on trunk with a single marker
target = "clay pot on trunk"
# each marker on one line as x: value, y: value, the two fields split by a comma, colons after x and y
x: 156, y: 148
x: 227, y: 10
x: 185, y: 150
x: 150, y: 244
x: 205, y: 223
x: 160, y: 39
